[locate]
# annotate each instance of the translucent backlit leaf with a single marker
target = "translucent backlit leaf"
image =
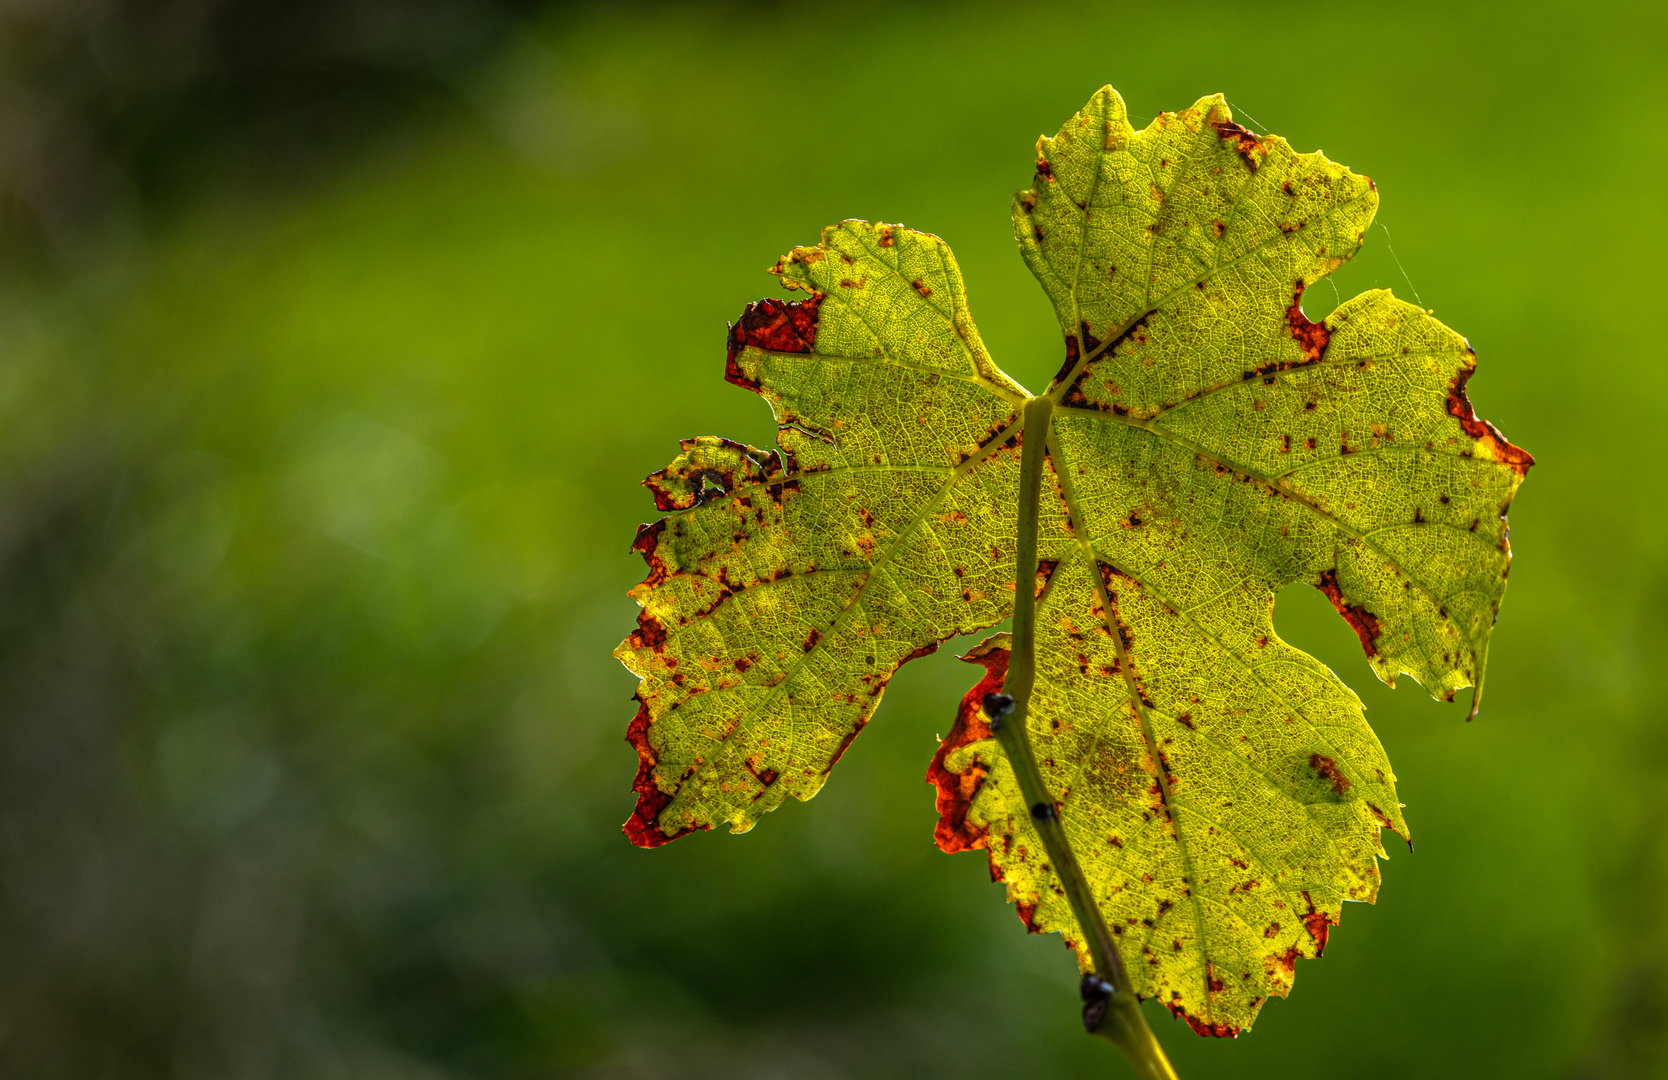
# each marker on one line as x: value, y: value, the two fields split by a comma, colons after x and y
x: 1221, y: 789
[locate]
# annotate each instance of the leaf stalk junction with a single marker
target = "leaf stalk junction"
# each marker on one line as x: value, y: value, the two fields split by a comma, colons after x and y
x: 1110, y: 1006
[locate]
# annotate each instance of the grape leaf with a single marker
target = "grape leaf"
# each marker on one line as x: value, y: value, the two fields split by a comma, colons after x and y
x: 1221, y: 789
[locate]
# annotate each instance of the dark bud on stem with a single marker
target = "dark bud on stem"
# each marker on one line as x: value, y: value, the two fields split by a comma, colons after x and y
x: 1043, y: 812
x: 997, y: 706
x: 1097, y: 998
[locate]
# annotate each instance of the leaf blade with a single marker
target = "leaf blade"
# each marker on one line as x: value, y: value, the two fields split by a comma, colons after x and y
x: 1223, y: 789
x: 786, y: 587
x: 1211, y: 445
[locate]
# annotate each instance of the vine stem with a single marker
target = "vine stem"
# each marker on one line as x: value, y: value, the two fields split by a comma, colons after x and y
x: 1111, y: 1008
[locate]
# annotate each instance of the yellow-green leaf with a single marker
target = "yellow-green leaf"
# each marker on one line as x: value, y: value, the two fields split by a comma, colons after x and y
x: 1220, y: 788
x: 787, y: 586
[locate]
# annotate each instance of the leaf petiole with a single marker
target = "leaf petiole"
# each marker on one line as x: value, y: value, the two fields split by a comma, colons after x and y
x: 1110, y: 1007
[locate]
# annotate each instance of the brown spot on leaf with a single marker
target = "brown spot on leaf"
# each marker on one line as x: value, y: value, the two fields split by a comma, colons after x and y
x: 775, y: 326
x: 1090, y: 341
x: 1312, y: 337
x: 1075, y: 396
x: 766, y: 776
x: 649, y: 633
x: 1317, y: 923
x: 1327, y: 769
x: 920, y: 288
x: 1248, y: 146
x: 1072, y: 354
x: 1045, y: 575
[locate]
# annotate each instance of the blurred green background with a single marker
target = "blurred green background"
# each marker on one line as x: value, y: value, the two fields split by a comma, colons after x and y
x: 334, y: 339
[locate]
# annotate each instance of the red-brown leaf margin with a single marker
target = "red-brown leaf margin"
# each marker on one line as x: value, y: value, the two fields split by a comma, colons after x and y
x: 774, y: 325
x: 956, y: 791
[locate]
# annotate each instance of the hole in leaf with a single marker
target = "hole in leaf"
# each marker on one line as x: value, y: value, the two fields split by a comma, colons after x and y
x: 1305, y: 618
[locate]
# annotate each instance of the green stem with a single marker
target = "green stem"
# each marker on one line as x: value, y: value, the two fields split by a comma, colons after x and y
x: 1112, y: 1009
